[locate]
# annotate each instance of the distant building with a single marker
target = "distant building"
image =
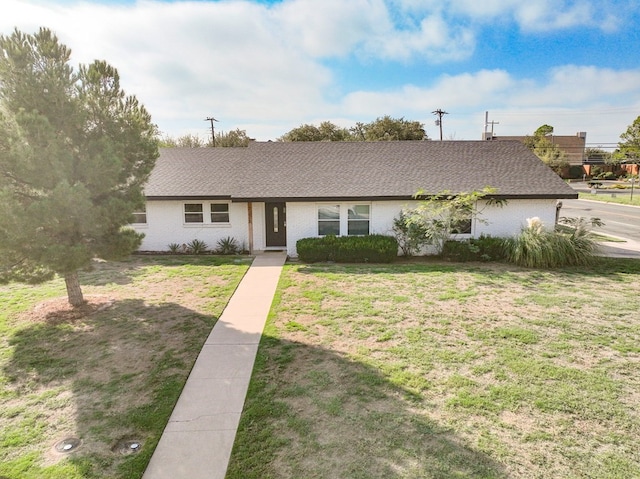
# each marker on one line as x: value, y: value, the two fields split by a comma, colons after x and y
x: 572, y: 146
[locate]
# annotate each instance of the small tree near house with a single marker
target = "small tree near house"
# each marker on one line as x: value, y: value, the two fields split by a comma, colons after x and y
x: 437, y: 218
x: 75, y: 152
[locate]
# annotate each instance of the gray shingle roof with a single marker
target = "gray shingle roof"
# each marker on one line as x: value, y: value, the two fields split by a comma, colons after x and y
x: 335, y: 170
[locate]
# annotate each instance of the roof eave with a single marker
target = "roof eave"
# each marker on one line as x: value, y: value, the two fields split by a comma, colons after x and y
x: 187, y: 197
x: 298, y: 199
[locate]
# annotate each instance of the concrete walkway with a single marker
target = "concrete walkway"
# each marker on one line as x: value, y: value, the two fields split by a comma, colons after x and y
x: 198, y: 439
x: 627, y: 249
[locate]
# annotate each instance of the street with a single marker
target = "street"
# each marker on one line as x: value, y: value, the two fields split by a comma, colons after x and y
x: 620, y: 220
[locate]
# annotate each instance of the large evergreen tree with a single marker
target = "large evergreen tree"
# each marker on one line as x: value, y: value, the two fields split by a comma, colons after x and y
x: 75, y: 152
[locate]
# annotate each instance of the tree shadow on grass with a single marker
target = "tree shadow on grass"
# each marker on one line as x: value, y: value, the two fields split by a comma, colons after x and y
x: 103, y: 378
x: 313, y: 412
x: 102, y: 273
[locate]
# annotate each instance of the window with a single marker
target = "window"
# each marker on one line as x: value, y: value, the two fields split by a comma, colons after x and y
x: 140, y: 216
x: 328, y: 220
x: 219, y: 212
x: 463, y: 226
x: 193, y: 213
x: 358, y: 220
x: 352, y: 220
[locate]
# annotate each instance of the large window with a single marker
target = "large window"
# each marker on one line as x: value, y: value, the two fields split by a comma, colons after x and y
x: 219, y: 212
x: 193, y: 213
x: 358, y: 220
x: 328, y: 220
x: 352, y: 220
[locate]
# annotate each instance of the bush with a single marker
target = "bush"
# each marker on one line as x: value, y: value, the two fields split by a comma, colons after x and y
x: 175, y: 248
x: 536, y: 247
x: 605, y: 175
x: 410, y: 235
x: 197, y: 246
x: 485, y: 248
x: 348, y: 249
x: 575, y: 172
x: 228, y: 245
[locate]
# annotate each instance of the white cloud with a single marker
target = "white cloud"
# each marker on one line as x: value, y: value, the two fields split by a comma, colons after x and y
x: 335, y: 28
x: 434, y: 39
x: 332, y: 27
x: 194, y: 59
x: 263, y: 68
x: 530, y: 15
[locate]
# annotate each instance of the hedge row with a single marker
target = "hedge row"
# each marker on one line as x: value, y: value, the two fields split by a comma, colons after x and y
x: 348, y: 249
x: 485, y: 248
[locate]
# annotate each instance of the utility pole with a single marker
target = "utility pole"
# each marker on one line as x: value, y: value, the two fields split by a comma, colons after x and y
x: 213, y: 131
x: 439, y: 114
x: 486, y: 135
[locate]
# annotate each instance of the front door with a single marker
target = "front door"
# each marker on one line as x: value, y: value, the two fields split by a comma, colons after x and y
x: 276, y: 223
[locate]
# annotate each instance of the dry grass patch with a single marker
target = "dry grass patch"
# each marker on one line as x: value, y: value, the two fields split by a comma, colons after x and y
x: 108, y: 373
x: 444, y: 370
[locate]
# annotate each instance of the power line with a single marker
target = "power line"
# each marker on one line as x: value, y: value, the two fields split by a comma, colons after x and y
x: 581, y: 111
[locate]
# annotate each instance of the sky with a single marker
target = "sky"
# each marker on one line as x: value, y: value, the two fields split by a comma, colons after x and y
x: 269, y: 66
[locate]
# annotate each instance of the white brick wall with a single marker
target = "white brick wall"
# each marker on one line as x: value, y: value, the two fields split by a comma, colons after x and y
x: 165, y: 225
x: 506, y: 221
x: 165, y: 221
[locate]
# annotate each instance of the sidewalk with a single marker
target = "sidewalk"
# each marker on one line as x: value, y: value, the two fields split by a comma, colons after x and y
x: 198, y: 439
x: 628, y: 249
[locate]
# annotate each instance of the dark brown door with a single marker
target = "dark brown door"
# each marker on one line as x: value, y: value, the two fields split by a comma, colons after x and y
x: 276, y: 221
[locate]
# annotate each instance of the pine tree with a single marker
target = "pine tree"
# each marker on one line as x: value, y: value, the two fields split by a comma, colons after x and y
x: 75, y: 152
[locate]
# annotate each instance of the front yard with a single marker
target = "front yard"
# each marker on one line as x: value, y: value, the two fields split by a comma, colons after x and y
x: 447, y: 370
x: 422, y: 370
x: 103, y: 382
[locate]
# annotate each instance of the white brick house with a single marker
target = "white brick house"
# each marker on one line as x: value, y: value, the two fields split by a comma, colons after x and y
x: 269, y: 195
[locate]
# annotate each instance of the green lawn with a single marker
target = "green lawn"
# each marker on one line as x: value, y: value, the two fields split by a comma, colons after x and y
x: 108, y: 377
x: 440, y: 370
x: 611, y: 196
x: 424, y: 370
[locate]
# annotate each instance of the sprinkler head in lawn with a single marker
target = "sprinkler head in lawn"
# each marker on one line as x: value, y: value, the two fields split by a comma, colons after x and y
x: 67, y: 445
x: 127, y: 446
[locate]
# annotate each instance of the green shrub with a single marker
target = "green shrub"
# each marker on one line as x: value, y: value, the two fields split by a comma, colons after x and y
x: 228, y: 245
x: 410, y: 235
x: 485, y: 248
x: 536, y: 247
x: 197, y: 246
x: 348, y: 249
x: 575, y: 172
x: 175, y: 248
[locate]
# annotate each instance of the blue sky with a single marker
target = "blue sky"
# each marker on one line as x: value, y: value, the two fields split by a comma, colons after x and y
x: 269, y: 66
